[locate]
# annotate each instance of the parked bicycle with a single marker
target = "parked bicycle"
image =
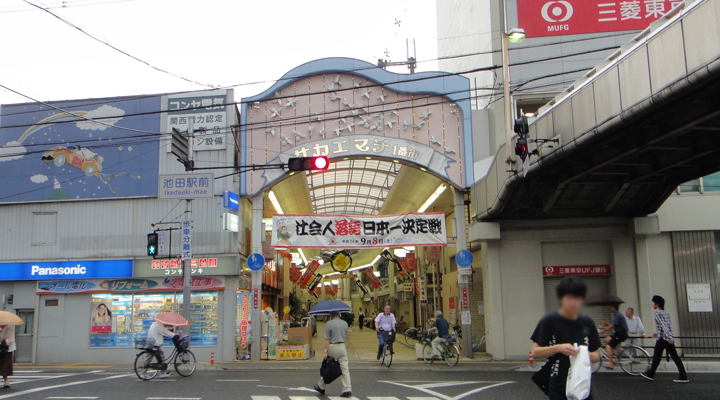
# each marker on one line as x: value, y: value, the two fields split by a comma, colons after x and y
x: 634, y: 360
x: 387, y: 354
x: 417, y: 334
x: 448, y: 350
x: 147, y: 367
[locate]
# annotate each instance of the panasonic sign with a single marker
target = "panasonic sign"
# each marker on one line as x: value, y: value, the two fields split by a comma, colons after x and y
x: 66, y: 270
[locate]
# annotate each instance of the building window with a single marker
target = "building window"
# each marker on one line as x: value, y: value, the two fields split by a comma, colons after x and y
x: 711, y: 183
x: 692, y: 186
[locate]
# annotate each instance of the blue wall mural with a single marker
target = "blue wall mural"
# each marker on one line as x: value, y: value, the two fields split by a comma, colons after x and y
x: 56, y: 154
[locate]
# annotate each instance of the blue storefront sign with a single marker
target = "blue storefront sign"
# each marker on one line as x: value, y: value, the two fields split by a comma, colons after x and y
x: 231, y: 200
x: 29, y: 271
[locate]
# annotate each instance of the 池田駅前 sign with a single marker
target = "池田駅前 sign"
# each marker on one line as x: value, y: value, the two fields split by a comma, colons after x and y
x: 342, y: 231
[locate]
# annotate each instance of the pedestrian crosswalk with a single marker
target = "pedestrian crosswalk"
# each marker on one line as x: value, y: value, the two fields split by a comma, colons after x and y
x: 31, y: 376
x: 340, y: 398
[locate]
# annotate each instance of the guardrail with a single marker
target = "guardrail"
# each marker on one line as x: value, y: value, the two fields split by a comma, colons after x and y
x: 689, y: 347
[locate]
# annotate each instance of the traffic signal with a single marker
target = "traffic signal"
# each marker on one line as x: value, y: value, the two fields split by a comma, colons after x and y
x: 296, y: 164
x: 522, y: 129
x: 521, y: 148
x: 152, y: 244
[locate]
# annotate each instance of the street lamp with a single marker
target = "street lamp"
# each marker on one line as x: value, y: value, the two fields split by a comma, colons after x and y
x: 515, y: 35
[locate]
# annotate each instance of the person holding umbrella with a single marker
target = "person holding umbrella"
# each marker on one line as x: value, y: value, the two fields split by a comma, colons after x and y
x: 7, y: 345
x: 158, y: 332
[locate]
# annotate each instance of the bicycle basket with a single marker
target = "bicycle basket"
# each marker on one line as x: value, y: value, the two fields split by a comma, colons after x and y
x: 181, y: 343
x: 452, y: 338
x: 388, y: 337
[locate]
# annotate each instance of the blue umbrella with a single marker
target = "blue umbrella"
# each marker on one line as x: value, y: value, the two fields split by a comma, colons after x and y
x: 327, y: 306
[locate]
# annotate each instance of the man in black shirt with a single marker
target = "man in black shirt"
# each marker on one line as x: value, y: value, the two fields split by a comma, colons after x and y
x: 557, y: 333
x: 443, y: 332
x: 620, y: 333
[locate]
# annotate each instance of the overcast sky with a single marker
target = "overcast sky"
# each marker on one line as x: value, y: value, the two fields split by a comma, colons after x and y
x: 218, y: 42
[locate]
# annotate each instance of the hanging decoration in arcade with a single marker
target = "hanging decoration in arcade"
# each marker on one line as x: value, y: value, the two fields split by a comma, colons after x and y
x: 341, y: 261
x: 316, y: 292
x: 361, y: 286
x: 308, y: 274
x: 314, y: 282
x: 331, y: 290
x: 341, y: 231
x: 377, y: 284
x: 410, y: 263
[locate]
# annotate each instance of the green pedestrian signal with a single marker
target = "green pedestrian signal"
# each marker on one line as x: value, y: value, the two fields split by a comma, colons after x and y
x: 152, y: 244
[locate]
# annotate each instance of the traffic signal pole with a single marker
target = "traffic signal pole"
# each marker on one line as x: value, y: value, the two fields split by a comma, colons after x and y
x: 256, y: 242
x: 187, y: 273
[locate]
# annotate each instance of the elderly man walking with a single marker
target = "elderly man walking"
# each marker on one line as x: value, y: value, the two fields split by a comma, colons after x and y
x: 336, y: 331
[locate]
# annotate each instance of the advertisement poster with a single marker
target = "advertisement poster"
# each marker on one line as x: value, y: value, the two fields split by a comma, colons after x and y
x: 128, y: 285
x: 343, y: 231
x: 110, y: 321
x: 571, y: 17
x: 244, y: 302
x: 206, y: 111
x: 87, y: 149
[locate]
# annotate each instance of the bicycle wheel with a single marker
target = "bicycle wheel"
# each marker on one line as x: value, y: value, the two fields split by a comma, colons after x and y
x: 142, y: 361
x: 185, y: 363
x: 634, y: 360
x: 410, y: 336
x: 596, y: 366
x: 428, y: 353
x: 452, y: 356
x: 387, y: 355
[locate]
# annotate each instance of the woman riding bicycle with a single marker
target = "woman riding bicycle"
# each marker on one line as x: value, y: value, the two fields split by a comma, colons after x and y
x: 155, y: 337
x: 443, y: 329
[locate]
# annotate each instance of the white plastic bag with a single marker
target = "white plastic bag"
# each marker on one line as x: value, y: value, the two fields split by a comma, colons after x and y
x: 578, y: 380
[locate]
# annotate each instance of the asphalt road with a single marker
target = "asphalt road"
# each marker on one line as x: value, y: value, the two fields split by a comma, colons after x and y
x: 382, y: 384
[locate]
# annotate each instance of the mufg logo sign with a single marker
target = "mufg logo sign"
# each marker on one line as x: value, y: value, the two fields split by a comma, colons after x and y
x: 66, y: 270
x: 557, y: 11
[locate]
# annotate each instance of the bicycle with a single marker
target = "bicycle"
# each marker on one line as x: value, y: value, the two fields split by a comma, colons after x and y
x: 416, y: 334
x: 634, y: 360
x: 387, y: 352
x: 182, y: 359
x: 448, y: 350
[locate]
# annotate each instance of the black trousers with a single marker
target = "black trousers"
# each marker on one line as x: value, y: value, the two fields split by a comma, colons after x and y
x: 661, y: 345
x: 361, y: 319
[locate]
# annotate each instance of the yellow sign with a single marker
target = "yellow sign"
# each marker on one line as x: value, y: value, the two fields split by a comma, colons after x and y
x: 341, y: 261
x: 291, y: 352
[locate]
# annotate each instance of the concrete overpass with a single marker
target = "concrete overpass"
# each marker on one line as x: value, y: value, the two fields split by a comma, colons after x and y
x: 631, y: 130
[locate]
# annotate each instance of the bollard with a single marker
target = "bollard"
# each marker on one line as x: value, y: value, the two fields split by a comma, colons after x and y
x: 531, y: 358
x: 212, y: 358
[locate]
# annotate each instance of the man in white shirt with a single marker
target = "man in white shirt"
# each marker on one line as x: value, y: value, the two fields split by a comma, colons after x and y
x: 384, y: 322
x: 155, y: 337
x: 635, y: 326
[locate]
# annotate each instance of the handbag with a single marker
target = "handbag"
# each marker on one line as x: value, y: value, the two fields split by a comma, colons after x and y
x: 542, y: 377
x: 3, y: 348
x: 330, y: 370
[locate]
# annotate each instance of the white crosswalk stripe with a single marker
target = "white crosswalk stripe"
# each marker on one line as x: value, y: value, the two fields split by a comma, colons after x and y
x: 265, y: 398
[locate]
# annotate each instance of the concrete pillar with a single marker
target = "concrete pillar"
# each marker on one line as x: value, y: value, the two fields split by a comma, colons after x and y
x: 492, y: 288
x: 641, y: 228
x: 256, y: 241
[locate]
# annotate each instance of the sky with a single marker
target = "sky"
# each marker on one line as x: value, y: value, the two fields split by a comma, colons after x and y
x: 213, y: 42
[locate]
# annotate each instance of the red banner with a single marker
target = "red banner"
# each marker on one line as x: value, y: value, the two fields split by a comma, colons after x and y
x: 572, y: 17
x: 433, y: 254
x: 309, y: 272
x: 578, y: 270
x: 373, y: 279
x: 410, y: 262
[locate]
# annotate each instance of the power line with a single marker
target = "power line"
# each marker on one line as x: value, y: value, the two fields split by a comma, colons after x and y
x: 115, y: 48
x: 62, y: 6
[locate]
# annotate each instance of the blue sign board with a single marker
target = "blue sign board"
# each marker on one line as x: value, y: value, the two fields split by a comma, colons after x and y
x: 29, y: 271
x: 256, y: 262
x: 231, y: 200
x: 464, y: 258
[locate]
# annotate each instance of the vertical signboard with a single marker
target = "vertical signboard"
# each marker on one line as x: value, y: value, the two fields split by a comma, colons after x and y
x: 699, y: 297
x: 186, y: 240
x: 422, y: 289
x: 207, y: 111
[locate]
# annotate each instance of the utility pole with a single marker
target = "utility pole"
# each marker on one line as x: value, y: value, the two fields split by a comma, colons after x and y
x: 461, y: 244
x: 187, y: 237
x: 256, y: 242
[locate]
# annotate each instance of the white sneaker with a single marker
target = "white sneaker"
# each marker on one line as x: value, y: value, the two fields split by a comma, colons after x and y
x: 681, y: 381
x: 165, y: 375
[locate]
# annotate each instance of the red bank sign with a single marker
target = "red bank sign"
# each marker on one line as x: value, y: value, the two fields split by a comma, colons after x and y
x: 572, y: 17
x: 578, y: 270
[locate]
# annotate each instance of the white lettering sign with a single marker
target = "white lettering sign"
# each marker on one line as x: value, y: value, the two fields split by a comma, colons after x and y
x: 185, y: 186
x: 36, y: 270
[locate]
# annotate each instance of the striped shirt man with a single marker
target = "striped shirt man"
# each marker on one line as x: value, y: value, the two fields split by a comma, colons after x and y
x: 664, y: 325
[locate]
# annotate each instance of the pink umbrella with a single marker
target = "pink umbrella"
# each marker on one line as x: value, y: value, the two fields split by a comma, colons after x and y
x: 171, y: 319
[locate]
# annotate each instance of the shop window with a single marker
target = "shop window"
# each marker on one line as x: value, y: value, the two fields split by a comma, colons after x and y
x: 44, y: 228
x: 203, y: 317
x: 111, y: 320
x: 145, y: 308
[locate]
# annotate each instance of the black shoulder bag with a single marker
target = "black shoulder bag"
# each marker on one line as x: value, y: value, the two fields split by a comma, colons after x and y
x: 3, y: 348
x: 542, y: 377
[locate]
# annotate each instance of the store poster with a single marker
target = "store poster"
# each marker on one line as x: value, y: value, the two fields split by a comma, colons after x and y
x: 272, y: 335
x: 244, y: 309
x: 111, y: 321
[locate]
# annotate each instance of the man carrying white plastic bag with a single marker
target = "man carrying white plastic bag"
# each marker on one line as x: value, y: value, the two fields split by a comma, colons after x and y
x: 555, y: 338
x: 578, y: 380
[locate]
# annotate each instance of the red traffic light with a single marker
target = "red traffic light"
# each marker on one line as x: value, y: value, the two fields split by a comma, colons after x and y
x: 320, y: 163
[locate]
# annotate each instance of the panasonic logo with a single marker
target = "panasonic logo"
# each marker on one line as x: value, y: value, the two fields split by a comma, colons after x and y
x: 36, y: 270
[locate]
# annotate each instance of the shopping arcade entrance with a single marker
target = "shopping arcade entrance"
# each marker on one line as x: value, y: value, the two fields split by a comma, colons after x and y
x: 392, y: 139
